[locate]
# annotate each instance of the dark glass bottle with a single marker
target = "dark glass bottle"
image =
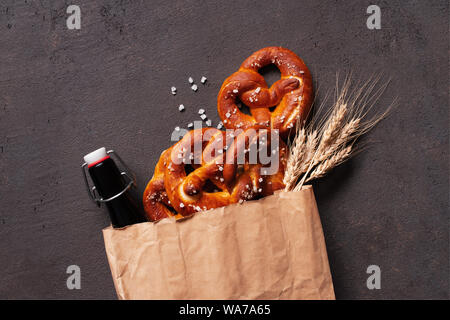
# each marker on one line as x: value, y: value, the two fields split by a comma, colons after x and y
x: 124, y: 209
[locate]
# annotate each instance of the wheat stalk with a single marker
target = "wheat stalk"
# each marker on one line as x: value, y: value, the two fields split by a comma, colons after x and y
x: 332, y: 128
x: 329, y: 141
x: 330, y: 163
x: 343, y: 137
x: 296, y: 156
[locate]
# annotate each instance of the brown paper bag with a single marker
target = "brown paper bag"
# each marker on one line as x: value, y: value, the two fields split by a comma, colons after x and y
x: 271, y: 248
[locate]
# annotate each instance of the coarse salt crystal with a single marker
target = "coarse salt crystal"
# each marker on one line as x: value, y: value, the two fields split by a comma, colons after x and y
x: 194, y: 87
x: 190, y: 125
x: 173, y: 89
x: 220, y: 125
x: 203, y: 116
x: 235, y: 91
x: 181, y: 107
x: 258, y: 90
x: 201, y: 111
x: 227, y: 114
x: 203, y: 79
x: 181, y: 205
x: 208, y: 123
x: 191, y: 81
x: 177, y: 128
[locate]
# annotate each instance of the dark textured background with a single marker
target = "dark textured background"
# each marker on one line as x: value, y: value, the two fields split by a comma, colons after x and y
x: 64, y: 93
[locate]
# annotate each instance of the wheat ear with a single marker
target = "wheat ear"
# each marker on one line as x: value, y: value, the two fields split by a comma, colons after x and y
x: 330, y: 163
x: 329, y: 141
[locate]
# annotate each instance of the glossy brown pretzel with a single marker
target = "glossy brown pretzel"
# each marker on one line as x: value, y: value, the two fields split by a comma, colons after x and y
x: 204, y: 187
x: 215, y: 179
x: 292, y: 94
x: 157, y: 205
x: 263, y: 183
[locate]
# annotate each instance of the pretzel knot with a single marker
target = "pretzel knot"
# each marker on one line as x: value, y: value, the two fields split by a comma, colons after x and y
x: 291, y: 95
x: 265, y: 157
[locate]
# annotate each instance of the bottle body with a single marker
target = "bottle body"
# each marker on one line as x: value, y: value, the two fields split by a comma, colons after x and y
x: 123, y: 210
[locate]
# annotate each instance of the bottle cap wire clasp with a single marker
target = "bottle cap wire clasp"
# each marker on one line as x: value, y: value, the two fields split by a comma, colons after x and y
x: 92, y: 191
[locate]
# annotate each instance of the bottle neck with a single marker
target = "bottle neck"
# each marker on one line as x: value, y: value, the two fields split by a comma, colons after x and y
x: 106, y: 177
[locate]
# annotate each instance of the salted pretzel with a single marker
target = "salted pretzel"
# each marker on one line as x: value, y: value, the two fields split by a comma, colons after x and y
x: 264, y: 182
x: 157, y: 205
x: 291, y: 95
x: 204, y: 187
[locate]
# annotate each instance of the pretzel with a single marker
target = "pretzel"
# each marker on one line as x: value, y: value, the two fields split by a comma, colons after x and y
x: 204, y: 188
x: 216, y: 179
x: 292, y: 94
x: 156, y: 203
x: 263, y: 182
